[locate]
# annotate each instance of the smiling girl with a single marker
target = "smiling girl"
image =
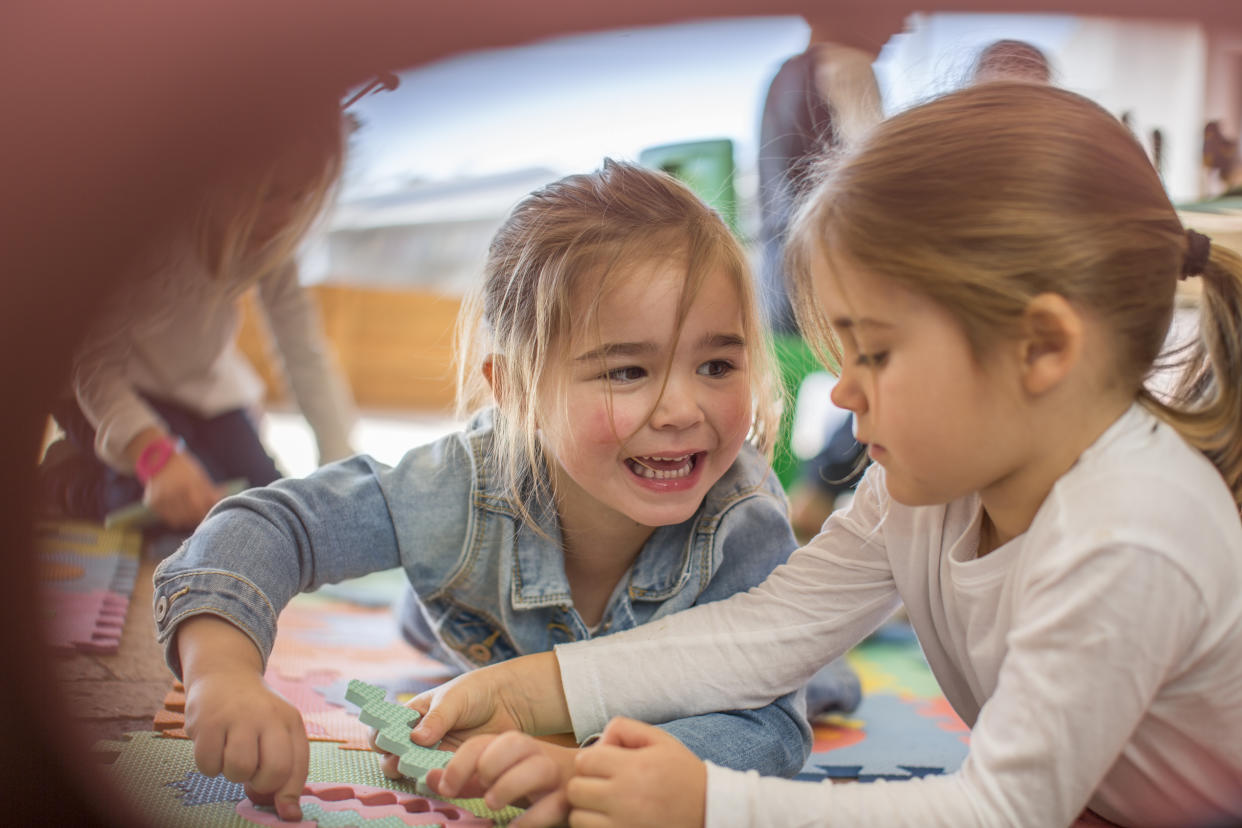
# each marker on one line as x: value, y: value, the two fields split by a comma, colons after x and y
x: 994, y: 272
x: 613, y: 474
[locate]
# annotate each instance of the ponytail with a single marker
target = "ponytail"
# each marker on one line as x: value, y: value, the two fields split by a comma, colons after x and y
x: 1206, y: 402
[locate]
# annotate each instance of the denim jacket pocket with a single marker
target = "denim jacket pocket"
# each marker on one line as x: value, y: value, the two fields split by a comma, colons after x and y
x: 479, y: 640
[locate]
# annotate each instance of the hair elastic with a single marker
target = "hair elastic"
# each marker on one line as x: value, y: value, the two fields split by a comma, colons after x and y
x: 1198, y: 248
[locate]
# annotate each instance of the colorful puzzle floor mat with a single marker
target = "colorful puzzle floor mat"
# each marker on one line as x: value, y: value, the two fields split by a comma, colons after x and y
x: 85, y: 577
x: 903, y: 728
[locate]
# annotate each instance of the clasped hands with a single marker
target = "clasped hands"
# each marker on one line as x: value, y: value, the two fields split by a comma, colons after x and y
x: 634, y: 775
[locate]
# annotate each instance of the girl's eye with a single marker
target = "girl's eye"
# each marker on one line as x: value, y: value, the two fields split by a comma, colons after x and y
x: 716, y: 368
x: 872, y: 360
x: 629, y: 373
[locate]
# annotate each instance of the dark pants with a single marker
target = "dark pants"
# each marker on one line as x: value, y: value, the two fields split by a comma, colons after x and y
x: 227, y: 446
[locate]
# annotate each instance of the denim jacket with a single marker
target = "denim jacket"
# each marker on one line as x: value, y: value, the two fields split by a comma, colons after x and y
x: 489, y: 586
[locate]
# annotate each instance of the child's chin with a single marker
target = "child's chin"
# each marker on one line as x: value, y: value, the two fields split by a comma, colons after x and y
x: 911, y: 497
x: 663, y: 517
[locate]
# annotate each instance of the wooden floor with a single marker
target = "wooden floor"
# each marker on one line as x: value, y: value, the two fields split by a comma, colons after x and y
x: 109, y: 695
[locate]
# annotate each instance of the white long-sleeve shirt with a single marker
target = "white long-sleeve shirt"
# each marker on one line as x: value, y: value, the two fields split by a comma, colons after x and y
x: 1097, y: 656
x: 173, y: 335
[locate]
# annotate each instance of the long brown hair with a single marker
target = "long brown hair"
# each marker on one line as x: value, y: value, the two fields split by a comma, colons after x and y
x: 989, y: 196
x: 584, y: 232
x: 229, y: 216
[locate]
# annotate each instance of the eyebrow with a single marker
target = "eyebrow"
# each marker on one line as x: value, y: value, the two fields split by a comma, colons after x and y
x: 626, y: 349
x: 865, y: 322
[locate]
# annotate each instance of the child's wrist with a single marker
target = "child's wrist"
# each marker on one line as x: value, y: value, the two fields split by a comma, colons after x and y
x: 155, y: 456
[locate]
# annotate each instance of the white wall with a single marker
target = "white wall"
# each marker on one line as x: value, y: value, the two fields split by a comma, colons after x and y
x: 1155, y: 70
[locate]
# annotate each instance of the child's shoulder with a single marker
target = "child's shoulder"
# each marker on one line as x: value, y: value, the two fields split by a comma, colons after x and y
x: 1141, y: 484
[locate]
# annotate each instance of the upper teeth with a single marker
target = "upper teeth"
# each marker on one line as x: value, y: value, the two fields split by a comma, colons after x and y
x: 641, y: 468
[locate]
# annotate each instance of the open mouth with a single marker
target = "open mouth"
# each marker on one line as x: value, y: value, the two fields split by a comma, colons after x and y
x: 658, y: 467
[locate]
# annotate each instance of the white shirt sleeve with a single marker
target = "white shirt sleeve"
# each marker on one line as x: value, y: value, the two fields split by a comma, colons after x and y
x: 99, y: 376
x: 316, y: 381
x: 745, y: 651
x: 1086, y: 656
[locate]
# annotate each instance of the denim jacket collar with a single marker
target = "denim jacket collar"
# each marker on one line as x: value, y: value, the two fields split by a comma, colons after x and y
x: 539, y: 567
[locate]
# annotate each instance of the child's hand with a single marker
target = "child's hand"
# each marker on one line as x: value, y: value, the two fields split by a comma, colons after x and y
x: 638, y: 775
x: 181, y: 493
x: 521, y: 694
x: 464, y: 707
x: 245, y: 730
x: 507, y: 769
x: 240, y: 726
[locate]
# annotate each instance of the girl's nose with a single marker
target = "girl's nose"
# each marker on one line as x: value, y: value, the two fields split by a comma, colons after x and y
x: 848, y: 393
x: 678, y: 406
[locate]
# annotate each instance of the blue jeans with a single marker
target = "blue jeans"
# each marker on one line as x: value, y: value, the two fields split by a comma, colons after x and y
x: 226, y: 445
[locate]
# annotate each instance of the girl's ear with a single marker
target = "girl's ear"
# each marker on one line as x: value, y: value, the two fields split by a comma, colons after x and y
x: 1052, y: 343
x: 493, y: 372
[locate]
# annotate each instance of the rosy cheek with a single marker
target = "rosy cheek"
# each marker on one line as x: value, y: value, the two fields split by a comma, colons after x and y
x: 602, y: 425
x: 734, y: 412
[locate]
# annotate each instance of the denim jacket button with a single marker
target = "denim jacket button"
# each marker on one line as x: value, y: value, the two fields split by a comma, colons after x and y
x: 161, y: 608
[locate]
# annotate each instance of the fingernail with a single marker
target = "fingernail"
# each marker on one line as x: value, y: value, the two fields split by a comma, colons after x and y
x: 289, y: 811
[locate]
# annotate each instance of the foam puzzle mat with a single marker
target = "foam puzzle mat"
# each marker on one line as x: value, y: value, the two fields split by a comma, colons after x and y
x: 904, y: 726
x: 157, y: 776
x: 86, y: 577
x: 344, y: 665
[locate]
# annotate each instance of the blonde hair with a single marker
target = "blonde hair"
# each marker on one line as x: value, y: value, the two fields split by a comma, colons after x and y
x: 989, y: 196
x: 586, y: 232
x: 229, y: 217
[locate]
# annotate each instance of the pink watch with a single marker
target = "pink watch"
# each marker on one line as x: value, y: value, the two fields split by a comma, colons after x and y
x: 155, y: 456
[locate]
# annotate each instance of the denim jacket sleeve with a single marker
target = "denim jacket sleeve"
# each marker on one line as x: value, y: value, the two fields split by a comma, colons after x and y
x: 257, y: 550
x: 753, y: 538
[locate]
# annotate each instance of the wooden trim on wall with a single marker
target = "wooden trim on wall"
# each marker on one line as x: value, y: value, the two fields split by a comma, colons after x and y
x: 395, y: 347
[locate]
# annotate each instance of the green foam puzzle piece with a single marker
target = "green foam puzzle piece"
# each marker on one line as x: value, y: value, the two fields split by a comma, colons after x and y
x: 393, y: 723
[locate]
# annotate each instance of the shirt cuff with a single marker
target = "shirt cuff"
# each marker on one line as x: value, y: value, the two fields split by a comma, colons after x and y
x: 729, y: 796
x: 114, y: 433
x: 587, y: 711
x: 214, y: 592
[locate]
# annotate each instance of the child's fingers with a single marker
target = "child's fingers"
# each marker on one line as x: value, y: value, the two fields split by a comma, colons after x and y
x: 289, y: 797
x: 241, y: 754
x: 387, y: 761
x: 388, y: 766
x: 421, y: 702
x: 437, y: 721
x: 588, y: 819
x: 603, y: 761
x: 590, y: 794
x: 275, y: 761
x: 550, y: 810
x: 630, y: 733
x: 462, y: 767
x: 208, y: 750
x: 433, y: 778
x: 529, y: 776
